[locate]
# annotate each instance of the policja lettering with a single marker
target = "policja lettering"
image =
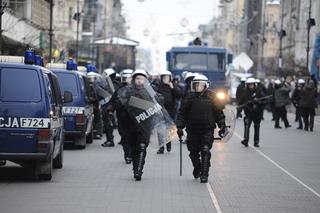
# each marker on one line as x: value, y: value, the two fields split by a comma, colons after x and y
x: 10, y: 123
x: 148, y: 113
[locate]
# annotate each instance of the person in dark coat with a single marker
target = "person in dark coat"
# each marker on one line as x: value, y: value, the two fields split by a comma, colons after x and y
x: 296, y: 96
x: 200, y: 117
x: 170, y: 92
x: 239, y: 93
x: 308, y: 103
x: 281, y: 99
x: 270, y: 91
x: 253, y: 111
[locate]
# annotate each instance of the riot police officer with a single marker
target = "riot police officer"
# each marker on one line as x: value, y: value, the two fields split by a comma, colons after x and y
x: 121, y: 113
x: 108, y: 119
x: 170, y: 93
x: 133, y: 135
x: 200, y: 116
x: 253, y: 111
x: 240, y: 90
x: 296, y: 96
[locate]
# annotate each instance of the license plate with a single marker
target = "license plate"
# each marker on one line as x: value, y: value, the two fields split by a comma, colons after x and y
x: 34, y: 122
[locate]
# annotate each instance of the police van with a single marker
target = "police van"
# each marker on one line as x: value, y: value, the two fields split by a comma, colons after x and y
x: 78, y: 114
x: 31, y: 122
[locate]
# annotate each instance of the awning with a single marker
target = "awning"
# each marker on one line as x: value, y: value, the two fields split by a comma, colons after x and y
x: 117, y: 41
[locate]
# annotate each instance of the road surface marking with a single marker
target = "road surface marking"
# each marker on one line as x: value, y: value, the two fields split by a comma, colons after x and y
x: 213, y: 198
x: 281, y: 168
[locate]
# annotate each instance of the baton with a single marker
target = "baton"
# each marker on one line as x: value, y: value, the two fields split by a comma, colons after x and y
x: 180, y: 140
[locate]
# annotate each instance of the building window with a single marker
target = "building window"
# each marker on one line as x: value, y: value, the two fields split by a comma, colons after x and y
x: 17, y: 7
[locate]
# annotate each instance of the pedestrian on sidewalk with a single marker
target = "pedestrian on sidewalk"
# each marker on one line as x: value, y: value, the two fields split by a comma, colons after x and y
x: 200, y: 116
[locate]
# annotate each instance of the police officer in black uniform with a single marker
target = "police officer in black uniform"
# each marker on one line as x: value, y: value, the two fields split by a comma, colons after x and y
x: 200, y: 116
x: 121, y: 113
x: 108, y: 118
x: 240, y: 90
x: 133, y: 135
x: 252, y: 110
x: 296, y: 96
x: 170, y: 93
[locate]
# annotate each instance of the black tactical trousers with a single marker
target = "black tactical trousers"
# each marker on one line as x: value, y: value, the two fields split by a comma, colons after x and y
x: 97, y: 120
x: 308, y: 114
x: 137, y: 142
x: 107, y: 123
x: 199, y: 145
x: 248, y: 119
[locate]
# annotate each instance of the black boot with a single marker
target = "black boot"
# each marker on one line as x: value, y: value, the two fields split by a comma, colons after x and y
x: 139, y: 161
x: 256, y: 135
x: 128, y: 160
x: 169, y: 147
x: 195, y: 159
x: 246, y: 134
x: 205, y: 164
x: 161, y: 150
x: 108, y: 144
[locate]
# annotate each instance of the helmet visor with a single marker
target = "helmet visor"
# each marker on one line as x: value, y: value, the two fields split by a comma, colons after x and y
x: 199, y: 86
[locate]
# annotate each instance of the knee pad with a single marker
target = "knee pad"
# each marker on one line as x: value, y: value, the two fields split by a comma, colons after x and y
x: 205, y: 149
x: 142, y: 146
x: 246, y: 121
x: 257, y: 126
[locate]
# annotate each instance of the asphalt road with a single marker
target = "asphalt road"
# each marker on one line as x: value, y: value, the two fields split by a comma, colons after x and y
x: 281, y: 176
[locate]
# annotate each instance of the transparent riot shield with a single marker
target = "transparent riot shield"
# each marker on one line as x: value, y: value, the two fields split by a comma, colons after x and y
x: 103, y: 88
x: 150, y: 116
x: 230, y: 120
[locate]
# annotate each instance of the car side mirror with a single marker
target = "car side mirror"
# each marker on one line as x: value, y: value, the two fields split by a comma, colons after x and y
x: 67, y: 97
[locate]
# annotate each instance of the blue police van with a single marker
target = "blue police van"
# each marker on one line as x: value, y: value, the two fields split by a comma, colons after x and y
x: 31, y: 122
x: 78, y: 114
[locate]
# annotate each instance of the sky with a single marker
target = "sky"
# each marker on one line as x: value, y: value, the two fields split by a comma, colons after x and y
x: 156, y: 23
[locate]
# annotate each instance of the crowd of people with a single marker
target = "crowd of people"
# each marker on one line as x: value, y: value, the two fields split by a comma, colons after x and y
x: 254, y: 97
x: 188, y: 104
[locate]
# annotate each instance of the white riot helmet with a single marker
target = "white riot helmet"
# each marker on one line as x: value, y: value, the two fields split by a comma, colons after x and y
x: 243, y: 79
x: 258, y: 81
x: 188, y: 75
x: 126, y: 75
x: 301, y: 81
x: 251, y: 81
x: 199, y: 83
x: 278, y: 82
x: 139, y: 72
x: 108, y: 72
x: 183, y: 74
x: 165, y: 76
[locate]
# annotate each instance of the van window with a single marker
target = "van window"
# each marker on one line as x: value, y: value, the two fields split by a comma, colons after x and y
x: 19, y: 85
x: 67, y: 82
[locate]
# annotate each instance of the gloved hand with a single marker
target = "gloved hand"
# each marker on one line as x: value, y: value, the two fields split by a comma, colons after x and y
x: 222, y: 132
x: 180, y: 132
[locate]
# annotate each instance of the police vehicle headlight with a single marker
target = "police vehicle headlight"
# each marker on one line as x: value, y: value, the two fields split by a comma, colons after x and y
x: 221, y: 95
